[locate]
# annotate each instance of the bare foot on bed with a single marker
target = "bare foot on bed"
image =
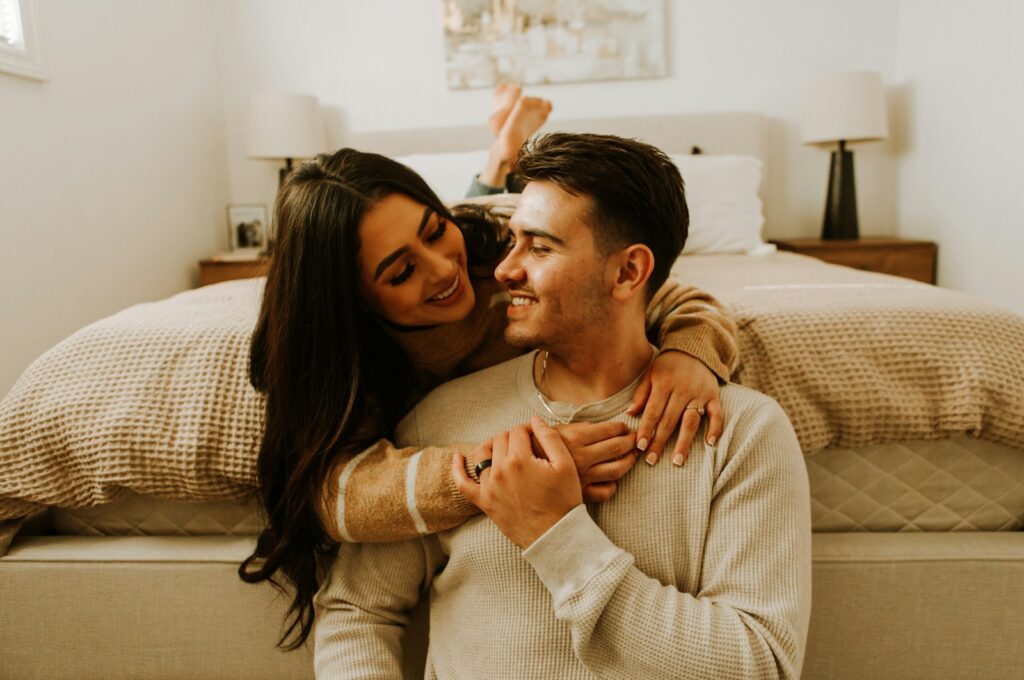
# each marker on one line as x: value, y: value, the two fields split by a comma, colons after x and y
x: 528, y: 114
x: 504, y: 98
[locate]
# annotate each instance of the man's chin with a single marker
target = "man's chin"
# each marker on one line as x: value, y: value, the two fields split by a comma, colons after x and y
x: 523, y: 340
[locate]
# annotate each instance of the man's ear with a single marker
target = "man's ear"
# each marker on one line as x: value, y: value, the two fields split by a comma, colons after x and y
x: 632, y: 267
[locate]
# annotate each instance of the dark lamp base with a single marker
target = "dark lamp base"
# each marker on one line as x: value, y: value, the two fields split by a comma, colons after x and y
x: 841, y: 202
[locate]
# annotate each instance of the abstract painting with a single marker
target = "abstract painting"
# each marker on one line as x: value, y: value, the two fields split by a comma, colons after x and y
x: 552, y: 41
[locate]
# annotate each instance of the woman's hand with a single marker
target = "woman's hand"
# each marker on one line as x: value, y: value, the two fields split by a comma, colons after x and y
x: 673, y: 392
x: 603, y: 453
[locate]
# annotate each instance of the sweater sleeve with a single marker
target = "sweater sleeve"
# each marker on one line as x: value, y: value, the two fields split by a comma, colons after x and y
x: 749, y: 615
x: 387, y: 493
x: 364, y: 607
x: 690, y: 320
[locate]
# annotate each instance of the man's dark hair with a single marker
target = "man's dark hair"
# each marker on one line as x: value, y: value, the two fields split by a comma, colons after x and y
x: 636, y: 191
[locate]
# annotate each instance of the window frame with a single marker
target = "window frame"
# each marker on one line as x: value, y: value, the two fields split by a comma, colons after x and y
x: 25, y: 60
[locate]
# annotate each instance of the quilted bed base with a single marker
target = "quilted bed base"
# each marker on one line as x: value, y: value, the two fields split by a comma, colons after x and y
x: 959, y: 484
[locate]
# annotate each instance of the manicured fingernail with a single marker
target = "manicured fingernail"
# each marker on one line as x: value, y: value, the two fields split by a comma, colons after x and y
x: 641, y: 443
x: 651, y: 458
x: 712, y: 440
x: 678, y: 459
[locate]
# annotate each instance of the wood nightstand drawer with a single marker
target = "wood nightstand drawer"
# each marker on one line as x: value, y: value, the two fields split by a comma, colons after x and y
x: 216, y: 271
x: 910, y: 259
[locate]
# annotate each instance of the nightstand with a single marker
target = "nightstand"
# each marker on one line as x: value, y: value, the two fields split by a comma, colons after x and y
x: 900, y: 257
x: 216, y: 271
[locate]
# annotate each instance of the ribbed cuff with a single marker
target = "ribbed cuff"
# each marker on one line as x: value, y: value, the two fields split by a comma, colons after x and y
x: 462, y: 505
x: 702, y: 349
x: 571, y: 553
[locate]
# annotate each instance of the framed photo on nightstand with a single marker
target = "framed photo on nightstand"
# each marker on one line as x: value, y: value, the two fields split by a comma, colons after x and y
x: 248, y: 227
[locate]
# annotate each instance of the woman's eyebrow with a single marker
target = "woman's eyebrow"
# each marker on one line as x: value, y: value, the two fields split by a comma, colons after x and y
x: 386, y: 262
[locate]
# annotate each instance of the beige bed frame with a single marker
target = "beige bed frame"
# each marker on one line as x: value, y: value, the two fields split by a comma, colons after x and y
x: 900, y: 605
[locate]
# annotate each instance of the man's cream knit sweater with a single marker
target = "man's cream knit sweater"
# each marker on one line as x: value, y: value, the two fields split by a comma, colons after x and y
x: 701, y: 571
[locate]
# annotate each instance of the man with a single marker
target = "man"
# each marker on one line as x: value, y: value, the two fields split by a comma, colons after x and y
x: 699, y: 571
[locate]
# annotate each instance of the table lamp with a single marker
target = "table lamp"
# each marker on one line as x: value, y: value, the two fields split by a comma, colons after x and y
x: 284, y: 127
x: 843, y: 108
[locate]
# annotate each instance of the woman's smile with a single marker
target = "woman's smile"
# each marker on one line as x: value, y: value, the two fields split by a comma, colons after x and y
x: 413, y: 264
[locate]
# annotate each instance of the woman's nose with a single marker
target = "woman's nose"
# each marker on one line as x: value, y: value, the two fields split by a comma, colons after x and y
x: 439, y: 265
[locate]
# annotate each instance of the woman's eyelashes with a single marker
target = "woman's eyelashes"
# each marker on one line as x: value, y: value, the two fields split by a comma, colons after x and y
x: 403, y: 276
x: 442, y: 225
x: 409, y: 268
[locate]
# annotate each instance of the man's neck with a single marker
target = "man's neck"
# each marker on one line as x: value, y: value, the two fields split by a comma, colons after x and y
x: 594, y: 370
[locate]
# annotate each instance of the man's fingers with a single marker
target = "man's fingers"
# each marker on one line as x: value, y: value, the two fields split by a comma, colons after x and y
x: 713, y: 411
x: 643, y: 391
x: 499, y: 452
x: 519, y: 443
x: 551, y: 443
x: 609, y: 472
x: 466, y: 486
x: 599, y: 493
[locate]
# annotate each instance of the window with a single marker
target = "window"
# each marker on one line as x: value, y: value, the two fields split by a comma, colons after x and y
x: 19, y: 40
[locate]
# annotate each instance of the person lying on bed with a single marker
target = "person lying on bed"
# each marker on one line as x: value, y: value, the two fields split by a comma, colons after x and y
x: 378, y: 292
x: 703, y: 572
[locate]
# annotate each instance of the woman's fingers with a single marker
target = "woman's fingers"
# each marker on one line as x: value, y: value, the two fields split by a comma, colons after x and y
x: 599, y: 493
x: 666, y: 425
x: 653, y: 410
x: 687, y: 431
x: 611, y: 471
x: 584, y: 434
x: 603, y: 451
x: 716, y: 421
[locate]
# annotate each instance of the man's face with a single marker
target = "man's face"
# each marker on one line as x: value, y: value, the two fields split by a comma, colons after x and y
x: 554, y: 271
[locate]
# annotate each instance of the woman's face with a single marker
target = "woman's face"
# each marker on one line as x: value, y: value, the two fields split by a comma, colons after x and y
x: 412, y: 264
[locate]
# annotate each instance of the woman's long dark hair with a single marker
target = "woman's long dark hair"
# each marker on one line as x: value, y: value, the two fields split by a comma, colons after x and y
x: 334, y: 381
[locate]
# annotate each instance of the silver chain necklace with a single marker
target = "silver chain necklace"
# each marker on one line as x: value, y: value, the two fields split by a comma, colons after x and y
x: 543, y: 399
x: 540, y: 394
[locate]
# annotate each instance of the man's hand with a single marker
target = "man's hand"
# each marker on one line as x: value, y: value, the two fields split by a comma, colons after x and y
x: 524, y: 495
x: 672, y: 393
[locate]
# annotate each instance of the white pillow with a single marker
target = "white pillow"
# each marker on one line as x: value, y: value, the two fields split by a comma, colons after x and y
x: 721, y: 192
x: 448, y: 174
x: 725, y: 210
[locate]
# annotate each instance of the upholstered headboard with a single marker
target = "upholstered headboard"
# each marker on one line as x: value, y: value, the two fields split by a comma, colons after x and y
x: 714, y: 133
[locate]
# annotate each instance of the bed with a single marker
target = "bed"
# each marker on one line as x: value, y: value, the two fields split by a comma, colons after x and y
x: 908, y: 401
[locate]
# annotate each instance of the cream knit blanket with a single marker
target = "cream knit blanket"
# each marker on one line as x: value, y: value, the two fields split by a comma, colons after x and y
x: 858, y: 358
x: 156, y: 398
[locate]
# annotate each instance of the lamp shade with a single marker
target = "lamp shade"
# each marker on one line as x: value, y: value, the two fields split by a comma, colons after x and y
x: 845, y: 106
x: 284, y: 126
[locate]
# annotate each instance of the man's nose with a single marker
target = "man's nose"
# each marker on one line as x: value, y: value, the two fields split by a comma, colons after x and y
x: 509, y: 269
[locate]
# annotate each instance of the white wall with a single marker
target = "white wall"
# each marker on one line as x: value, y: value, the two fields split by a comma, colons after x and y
x: 114, y: 174
x: 380, y: 65
x: 113, y: 180
x: 960, y: 72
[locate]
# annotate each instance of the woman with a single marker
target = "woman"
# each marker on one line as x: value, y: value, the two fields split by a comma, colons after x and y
x: 376, y: 293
